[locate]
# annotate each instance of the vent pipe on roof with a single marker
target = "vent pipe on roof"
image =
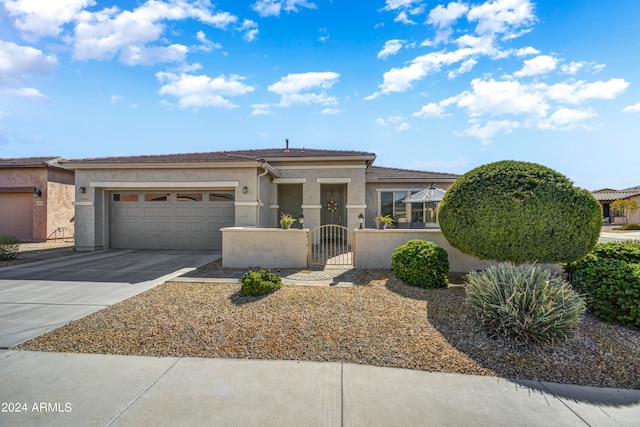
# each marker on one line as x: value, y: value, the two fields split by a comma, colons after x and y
x: 287, y: 145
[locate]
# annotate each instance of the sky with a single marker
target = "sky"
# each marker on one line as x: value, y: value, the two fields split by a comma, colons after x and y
x: 426, y: 85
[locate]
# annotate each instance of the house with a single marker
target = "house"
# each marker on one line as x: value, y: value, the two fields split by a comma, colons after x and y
x: 36, y: 196
x: 184, y: 200
x: 606, y: 196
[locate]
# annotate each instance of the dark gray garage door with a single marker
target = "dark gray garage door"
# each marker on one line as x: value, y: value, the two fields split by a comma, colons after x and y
x: 170, y: 220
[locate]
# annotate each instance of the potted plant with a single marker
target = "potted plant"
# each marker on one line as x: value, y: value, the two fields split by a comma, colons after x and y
x: 286, y: 220
x: 384, y: 221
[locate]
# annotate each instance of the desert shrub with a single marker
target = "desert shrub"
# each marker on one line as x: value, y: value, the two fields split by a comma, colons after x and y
x: 9, y: 246
x: 261, y: 282
x: 421, y: 263
x: 628, y: 227
x: 611, y: 287
x: 526, y: 304
x: 519, y: 212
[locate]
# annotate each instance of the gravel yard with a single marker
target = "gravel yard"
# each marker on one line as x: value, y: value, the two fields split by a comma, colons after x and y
x: 380, y: 321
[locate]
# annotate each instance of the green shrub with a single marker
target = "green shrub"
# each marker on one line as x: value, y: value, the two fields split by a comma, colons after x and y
x: 627, y: 251
x: 520, y: 212
x: 611, y: 287
x: 421, y: 263
x: 9, y: 246
x: 524, y: 303
x: 629, y: 227
x: 260, y: 283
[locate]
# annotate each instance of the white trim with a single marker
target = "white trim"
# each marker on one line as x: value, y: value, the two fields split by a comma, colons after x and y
x: 333, y: 180
x: 309, y: 167
x: 356, y: 206
x: 202, y: 185
x: 275, y: 206
x: 311, y: 206
x: 253, y: 204
x: 82, y: 203
x: 290, y: 180
x: 398, y: 189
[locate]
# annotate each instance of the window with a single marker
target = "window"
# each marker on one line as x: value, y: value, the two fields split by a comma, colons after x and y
x: 424, y: 212
x: 189, y: 197
x: 117, y: 197
x: 221, y: 197
x: 391, y: 204
x: 156, y: 197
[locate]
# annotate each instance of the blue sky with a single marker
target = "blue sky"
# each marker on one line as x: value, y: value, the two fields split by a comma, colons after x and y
x: 425, y: 85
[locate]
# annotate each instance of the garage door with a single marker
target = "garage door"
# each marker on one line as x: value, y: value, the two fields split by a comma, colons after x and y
x: 170, y: 220
x: 16, y: 215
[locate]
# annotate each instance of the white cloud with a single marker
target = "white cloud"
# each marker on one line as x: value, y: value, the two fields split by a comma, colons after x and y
x: 250, y: 29
x: 567, y: 119
x: 527, y: 51
x: 116, y: 98
x: 202, y: 91
x: 491, y: 97
x: 572, y: 68
x: 491, y: 128
x: 581, y: 91
x: 541, y: 64
x: 502, y: 16
x: 291, y: 88
x: 430, y: 110
x: 266, y: 8
x: 328, y: 111
x: 444, y: 16
x: 404, y: 8
x: 391, y: 47
x: 261, y: 110
x: 25, y: 92
x: 632, y: 108
x: 465, y: 67
x: 108, y: 32
x: 404, y: 126
x: 44, y: 18
x: 17, y: 61
x: 206, y: 44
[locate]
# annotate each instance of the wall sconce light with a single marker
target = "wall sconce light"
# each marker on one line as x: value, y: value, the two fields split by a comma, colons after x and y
x: 361, y: 219
x: 36, y: 193
x: 245, y: 189
x: 301, y: 221
x: 83, y: 190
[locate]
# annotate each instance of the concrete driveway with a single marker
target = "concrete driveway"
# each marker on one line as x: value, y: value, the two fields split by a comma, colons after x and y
x: 41, y: 296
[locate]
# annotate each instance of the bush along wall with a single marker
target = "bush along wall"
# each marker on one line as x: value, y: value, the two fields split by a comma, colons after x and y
x: 421, y: 263
x: 9, y: 246
x: 609, y: 277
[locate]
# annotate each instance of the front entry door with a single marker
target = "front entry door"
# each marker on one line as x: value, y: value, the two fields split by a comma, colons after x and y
x: 333, y: 205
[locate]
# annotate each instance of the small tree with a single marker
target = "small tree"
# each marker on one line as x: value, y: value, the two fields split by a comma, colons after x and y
x: 626, y: 207
x: 520, y: 212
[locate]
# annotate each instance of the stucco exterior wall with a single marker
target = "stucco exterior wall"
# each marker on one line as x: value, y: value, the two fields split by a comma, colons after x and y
x: 375, y: 247
x: 264, y: 248
x: 54, y: 206
x: 60, y: 216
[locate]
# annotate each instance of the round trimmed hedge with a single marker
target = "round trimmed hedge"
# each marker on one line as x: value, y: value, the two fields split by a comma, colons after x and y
x: 421, y: 263
x: 520, y: 212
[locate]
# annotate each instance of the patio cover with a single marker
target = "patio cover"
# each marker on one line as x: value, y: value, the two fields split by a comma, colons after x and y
x: 431, y: 194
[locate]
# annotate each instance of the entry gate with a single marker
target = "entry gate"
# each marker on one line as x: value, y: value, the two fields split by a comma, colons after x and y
x: 330, y: 244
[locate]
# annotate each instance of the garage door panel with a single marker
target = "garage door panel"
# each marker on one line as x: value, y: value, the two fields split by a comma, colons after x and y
x: 170, y: 223
x: 16, y: 215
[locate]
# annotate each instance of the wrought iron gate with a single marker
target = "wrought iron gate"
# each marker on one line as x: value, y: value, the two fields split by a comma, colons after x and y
x: 330, y: 244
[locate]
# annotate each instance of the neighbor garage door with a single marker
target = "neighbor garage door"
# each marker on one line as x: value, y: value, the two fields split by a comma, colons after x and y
x: 170, y: 220
x: 16, y: 215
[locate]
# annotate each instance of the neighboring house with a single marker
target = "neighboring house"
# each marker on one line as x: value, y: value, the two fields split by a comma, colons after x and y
x: 184, y: 200
x: 606, y: 196
x: 36, y: 196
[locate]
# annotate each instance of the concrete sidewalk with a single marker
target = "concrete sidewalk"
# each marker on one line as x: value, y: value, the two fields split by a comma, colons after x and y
x: 58, y: 389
